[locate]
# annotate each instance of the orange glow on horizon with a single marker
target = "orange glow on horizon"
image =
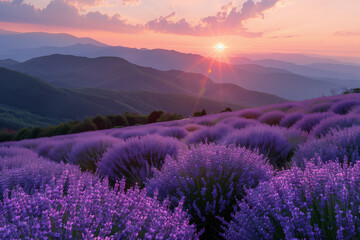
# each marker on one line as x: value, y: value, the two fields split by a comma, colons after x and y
x: 328, y: 46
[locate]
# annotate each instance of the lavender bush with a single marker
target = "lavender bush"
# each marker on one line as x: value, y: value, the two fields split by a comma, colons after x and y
x: 343, y: 145
x: 337, y: 122
x: 250, y: 113
x: 28, y: 171
x: 321, y: 202
x: 243, y: 123
x: 209, y: 134
x: 290, y: 119
x: 88, y: 152
x: 191, y: 127
x: 14, y: 151
x: 320, y: 107
x: 355, y: 109
x: 273, y: 142
x: 60, y: 151
x: 78, y: 206
x: 134, y: 158
x: 126, y: 134
x: 176, y: 132
x: 211, y: 178
x: 272, y: 118
x: 343, y: 107
x: 43, y: 149
x: 309, y: 121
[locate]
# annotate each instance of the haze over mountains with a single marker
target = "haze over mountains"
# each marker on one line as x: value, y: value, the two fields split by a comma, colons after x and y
x: 16, y: 41
x: 22, y: 95
x: 285, y: 79
x: 81, y: 77
x: 115, y: 73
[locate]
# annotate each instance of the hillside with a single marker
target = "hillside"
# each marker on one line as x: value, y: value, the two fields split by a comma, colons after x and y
x: 297, y: 157
x: 118, y: 74
x: 35, y: 96
x: 243, y: 72
x: 14, y: 40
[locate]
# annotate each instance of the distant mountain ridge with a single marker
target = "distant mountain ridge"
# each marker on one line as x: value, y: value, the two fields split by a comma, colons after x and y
x: 317, y: 76
x: 283, y: 80
x: 46, y: 102
x: 16, y: 41
x: 118, y: 74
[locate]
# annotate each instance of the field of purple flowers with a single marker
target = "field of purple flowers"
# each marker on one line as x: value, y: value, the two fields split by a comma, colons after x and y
x: 288, y: 171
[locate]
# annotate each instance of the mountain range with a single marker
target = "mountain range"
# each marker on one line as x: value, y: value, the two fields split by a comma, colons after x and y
x: 284, y: 79
x: 114, y: 73
x: 49, y: 78
x: 22, y: 95
x: 17, y: 41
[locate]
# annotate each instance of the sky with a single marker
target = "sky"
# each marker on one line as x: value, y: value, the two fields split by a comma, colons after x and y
x: 325, y: 27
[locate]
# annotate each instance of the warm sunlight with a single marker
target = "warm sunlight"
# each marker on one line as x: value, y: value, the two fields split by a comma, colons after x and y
x: 220, y: 47
x: 179, y: 119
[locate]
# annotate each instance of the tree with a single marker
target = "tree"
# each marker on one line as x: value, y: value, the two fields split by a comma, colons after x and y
x: 154, y: 116
x: 199, y: 114
x: 101, y: 122
x: 118, y: 120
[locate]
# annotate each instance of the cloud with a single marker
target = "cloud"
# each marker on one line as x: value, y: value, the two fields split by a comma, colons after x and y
x: 83, y: 4
x: 166, y: 25
x: 130, y: 2
x: 62, y: 13
x: 229, y: 20
x: 347, y: 33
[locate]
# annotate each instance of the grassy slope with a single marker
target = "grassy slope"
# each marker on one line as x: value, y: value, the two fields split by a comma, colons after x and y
x: 25, y: 93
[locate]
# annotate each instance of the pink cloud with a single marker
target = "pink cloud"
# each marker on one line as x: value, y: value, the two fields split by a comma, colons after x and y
x: 229, y: 20
x: 131, y: 2
x: 61, y: 13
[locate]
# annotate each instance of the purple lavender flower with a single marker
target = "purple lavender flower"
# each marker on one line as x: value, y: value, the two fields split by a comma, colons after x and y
x: 273, y: 142
x: 309, y: 121
x: 321, y: 202
x: 209, y: 134
x: 336, y: 122
x: 77, y: 205
x: 211, y: 178
x: 134, y: 158
x: 272, y: 117
x: 290, y: 119
x: 87, y: 152
x: 343, y: 107
x: 343, y: 145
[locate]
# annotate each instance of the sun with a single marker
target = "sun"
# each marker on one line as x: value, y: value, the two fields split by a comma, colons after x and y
x: 220, y: 47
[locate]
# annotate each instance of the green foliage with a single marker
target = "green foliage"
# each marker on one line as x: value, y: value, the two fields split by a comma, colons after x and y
x: 169, y: 117
x: 227, y: 110
x: 352, y: 90
x: 135, y: 119
x: 199, y: 114
x: 6, y: 136
x: 86, y: 125
x: 97, y: 123
x: 118, y: 120
x: 34, y: 132
x: 154, y: 116
x: 13, y: 118
x: 101, y: 122
x: 22, y: 134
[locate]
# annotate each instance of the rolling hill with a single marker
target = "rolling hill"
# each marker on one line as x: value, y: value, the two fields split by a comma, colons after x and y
x: 13, y: 40
x: 118, y: 74
x: 247, y: 74
x: 23, y: 95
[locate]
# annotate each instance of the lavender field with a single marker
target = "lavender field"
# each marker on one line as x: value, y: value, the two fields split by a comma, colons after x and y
x: 286, y: 171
